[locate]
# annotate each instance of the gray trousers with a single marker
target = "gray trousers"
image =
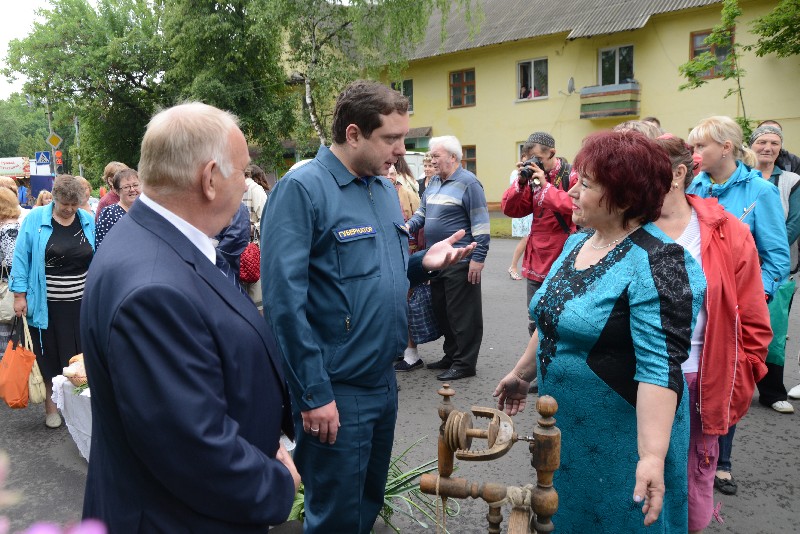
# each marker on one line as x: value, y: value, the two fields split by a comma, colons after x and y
x: 458, y: 309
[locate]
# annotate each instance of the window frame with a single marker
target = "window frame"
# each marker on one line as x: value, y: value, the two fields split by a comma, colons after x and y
x: 716, y: 71
x: 401, y: 88
x: 465, y: 161
x: 464, y: 84
x: 616, y: 48
x: 531, y: 62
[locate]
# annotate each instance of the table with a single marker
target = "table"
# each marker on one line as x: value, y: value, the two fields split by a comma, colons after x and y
x: 77, y: 412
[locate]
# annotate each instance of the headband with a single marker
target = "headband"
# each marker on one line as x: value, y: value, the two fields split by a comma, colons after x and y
x: 766, y: 129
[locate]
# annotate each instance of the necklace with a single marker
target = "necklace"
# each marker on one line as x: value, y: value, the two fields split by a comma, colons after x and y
x: 617, y: 240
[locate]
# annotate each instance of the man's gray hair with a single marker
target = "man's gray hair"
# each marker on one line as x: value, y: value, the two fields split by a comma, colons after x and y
x: 448, y: 142
x: 182, y: 139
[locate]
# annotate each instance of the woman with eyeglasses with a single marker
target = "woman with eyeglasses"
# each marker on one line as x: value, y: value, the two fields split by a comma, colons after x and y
x: 126, y: 185
x: 52, y: 254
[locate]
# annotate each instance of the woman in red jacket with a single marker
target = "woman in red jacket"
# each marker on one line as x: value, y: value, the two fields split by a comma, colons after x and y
x: 730, y: 339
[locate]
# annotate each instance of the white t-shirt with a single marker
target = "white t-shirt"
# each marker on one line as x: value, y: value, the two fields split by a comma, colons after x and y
x: 690, y: 240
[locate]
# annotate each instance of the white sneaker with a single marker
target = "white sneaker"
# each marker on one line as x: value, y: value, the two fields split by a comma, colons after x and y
x: 794, y: 393
x: 782, y: 407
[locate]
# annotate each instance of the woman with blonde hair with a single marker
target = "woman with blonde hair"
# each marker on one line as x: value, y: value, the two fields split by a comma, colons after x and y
x: 9, y: 229
x: 743, y: 192
x: 44, y: 198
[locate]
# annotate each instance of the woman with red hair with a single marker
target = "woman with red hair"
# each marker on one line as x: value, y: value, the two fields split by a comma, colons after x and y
x: 614, y: 322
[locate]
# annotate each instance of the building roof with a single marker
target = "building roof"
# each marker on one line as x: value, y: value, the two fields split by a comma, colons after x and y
x: 512, y: 20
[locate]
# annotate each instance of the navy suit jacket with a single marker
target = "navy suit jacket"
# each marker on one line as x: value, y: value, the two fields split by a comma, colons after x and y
x: 188, y: 395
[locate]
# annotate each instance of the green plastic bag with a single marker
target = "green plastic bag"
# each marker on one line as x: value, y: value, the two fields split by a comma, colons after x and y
x: 779, y: 321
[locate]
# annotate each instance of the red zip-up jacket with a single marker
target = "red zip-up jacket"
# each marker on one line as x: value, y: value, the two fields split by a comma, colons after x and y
x: 737, y: 330
x: 547, y: 237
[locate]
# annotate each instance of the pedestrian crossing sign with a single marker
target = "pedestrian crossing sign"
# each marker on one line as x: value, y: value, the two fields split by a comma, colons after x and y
x: 43, y: 158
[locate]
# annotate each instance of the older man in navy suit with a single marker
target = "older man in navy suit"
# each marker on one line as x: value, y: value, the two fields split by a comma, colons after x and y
x: 188, y: 395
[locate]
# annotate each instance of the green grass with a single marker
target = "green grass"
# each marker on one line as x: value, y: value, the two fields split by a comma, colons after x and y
x: 500, y: 226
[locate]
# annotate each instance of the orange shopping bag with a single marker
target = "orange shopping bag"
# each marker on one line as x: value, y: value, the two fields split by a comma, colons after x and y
x: 15, y: 367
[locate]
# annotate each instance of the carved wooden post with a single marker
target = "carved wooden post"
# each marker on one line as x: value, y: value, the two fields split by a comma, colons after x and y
x: 445, y: 452
x: 545, y: 458
x: 494, y: 518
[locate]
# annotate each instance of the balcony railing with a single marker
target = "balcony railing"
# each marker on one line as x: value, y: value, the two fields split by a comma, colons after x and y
x: 618, y: 100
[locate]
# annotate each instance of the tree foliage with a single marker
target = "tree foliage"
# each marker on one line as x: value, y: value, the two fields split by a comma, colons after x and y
x: 722, y: 36
x: 277, y: 64
x: 227, y: 54
x: 18, y: 123
x: 333, y: 42
x: 779, y: 30
x: 102, y: 65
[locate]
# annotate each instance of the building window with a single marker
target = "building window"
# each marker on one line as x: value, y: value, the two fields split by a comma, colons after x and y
x: 406, y: 88
x: 532, y: 79
x: 699, y: 46
x: 462, y: 88
x: 469, y: 159
x: 616, y: 65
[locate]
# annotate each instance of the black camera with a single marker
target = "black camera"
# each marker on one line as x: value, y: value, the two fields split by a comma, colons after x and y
x: 526, y: 171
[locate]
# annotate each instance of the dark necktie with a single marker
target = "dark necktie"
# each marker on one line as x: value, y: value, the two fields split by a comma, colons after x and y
x: 225, y: 268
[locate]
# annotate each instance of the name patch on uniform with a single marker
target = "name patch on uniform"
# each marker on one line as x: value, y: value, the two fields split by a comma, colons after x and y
x: 355, y: 232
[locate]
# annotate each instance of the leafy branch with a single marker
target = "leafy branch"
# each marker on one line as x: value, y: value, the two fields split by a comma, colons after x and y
x: 721, y: 39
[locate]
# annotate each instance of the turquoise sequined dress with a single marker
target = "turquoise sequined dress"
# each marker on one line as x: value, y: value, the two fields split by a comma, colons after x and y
x: 604, y: 329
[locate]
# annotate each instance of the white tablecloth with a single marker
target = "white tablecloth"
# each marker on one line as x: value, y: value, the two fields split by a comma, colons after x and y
x: 77, y: 412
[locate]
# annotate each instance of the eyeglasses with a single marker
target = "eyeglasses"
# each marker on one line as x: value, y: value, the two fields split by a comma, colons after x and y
x: 130, y: 187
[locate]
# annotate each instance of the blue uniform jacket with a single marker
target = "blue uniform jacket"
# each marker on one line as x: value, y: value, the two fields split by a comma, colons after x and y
x: 756, y: 202
x: 27, y: 270
x: 334, y: 262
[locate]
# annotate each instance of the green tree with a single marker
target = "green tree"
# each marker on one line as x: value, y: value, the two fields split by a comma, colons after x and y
x: 227, y: 55
x: 103, y: 65
x: 721, y: 38
x: 779, y: 30
x: 23, y: 128
x: 332, y: 42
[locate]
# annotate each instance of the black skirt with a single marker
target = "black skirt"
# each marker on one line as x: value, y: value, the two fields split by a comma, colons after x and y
x: 61, y: 340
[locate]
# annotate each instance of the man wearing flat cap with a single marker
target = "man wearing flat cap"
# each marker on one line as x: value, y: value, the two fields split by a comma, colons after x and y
x: 544, y: 195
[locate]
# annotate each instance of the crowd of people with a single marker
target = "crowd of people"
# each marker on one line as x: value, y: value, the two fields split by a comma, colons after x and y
x: 657, y: 279
x: 683, y: 358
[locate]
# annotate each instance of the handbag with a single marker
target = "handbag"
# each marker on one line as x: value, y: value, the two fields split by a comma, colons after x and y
x: 779, y: 321
x: 6, y: 299
x: 250, y: 262
x: 16, y: 366
x: 422, y: 325
x: 36, y: 389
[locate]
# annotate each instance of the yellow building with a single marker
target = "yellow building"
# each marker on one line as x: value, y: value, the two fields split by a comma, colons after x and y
x: 588, y: 65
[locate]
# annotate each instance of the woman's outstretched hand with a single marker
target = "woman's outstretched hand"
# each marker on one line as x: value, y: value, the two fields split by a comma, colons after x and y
x: 512, y: 393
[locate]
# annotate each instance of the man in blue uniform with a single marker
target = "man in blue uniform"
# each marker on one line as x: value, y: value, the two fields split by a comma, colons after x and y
x: 337, y: 269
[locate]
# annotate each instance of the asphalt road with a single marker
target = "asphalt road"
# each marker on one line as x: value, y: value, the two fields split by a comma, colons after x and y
x: 50, y: 475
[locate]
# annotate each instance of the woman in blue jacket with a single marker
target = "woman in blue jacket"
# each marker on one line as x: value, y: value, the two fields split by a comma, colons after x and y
x: 54, y: 249
x: 744, y: 193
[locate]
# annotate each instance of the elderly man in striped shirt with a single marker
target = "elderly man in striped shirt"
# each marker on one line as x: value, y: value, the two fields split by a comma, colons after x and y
x: 454, y: 200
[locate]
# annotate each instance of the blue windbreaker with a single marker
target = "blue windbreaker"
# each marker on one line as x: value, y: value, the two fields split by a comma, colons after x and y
x: 756, y: 202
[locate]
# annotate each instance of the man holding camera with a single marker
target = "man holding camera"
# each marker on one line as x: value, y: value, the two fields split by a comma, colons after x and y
x: 541, y: 189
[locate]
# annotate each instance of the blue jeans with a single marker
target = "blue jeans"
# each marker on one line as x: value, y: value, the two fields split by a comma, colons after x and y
x: 725, y: 447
